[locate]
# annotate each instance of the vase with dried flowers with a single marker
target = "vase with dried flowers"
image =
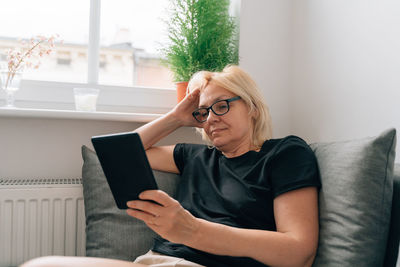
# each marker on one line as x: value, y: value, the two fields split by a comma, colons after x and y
x: 26, y: 56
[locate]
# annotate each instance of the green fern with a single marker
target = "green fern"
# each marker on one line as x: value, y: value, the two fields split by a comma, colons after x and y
x: 202, y: 36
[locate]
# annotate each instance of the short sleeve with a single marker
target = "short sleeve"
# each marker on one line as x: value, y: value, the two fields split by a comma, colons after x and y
x: 294, y: 166
x: 179, y: 156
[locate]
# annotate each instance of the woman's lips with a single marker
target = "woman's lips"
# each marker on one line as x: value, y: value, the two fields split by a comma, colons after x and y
x: 216, y: 131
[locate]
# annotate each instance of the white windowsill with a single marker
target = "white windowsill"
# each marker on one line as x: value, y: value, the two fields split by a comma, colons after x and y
x: 80, y: 115
x: 37, y: 99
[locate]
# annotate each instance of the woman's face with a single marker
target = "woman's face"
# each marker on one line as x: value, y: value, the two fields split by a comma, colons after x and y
x: 231, y: 130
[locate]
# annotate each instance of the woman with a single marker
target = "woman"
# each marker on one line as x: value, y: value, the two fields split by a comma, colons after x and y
x: 244, y: 200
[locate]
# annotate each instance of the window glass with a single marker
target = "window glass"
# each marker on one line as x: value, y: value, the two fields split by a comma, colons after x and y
x: 131, y: 33
x: 23, y: 19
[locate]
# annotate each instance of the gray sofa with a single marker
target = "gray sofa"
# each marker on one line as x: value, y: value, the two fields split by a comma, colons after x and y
x: 359, y: 206
x: 392, y: 247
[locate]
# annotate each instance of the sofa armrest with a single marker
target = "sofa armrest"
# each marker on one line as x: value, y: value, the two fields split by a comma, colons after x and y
x: 392, y: 248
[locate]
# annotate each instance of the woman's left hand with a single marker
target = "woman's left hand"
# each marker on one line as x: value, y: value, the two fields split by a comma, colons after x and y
x: 168, y: 218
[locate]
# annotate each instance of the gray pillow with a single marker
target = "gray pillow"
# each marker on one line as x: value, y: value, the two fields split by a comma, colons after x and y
x: 110, y: 232
x: 355, y: 200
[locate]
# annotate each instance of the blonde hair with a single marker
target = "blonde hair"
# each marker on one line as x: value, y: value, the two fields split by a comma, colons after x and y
x: 237, y: 81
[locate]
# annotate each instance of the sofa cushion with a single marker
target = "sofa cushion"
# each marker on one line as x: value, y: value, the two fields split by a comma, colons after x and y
x: 110, y: 232
x: 355, y: 200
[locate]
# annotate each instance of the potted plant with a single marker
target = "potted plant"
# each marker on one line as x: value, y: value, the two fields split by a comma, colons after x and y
x: 202, y: 36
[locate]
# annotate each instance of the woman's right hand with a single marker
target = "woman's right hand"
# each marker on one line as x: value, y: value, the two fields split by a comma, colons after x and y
x: 154, y: 131
x: 184, y: 109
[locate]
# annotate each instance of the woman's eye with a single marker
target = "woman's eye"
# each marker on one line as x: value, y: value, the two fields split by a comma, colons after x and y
x: 203, y: 113
x: 222, y: 107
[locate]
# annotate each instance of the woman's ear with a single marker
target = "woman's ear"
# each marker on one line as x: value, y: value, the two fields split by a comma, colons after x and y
x: 254, y: 113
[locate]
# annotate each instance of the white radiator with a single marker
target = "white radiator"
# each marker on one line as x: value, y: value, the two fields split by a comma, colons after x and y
x: 40, y: 217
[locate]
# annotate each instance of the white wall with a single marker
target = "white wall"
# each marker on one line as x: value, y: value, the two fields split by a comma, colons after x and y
x: 265, y: 53
x: 346, y: 68
x: 51, y: 148
x: 342, y: 67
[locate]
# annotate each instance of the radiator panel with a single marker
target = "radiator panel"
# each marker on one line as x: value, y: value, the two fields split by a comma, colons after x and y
x: 39, y: 219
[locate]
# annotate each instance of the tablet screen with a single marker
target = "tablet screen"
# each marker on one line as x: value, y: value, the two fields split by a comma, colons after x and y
x: 125, y: 165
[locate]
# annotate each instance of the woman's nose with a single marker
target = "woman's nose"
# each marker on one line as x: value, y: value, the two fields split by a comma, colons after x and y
x: 212, y: 116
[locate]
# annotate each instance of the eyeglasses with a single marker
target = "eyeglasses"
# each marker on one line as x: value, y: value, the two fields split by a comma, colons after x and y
x: 219, y: 108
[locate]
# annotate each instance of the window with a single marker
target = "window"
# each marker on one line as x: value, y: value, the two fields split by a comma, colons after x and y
x: 69, y: 19
x: 109, y: 44
x: 132, y: 48
x: 130, y: 33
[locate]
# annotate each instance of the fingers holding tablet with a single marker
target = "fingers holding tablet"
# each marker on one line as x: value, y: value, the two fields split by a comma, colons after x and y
x: 158, y: 196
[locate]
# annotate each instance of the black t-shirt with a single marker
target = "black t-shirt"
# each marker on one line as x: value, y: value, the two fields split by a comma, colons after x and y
x: 238, y: 191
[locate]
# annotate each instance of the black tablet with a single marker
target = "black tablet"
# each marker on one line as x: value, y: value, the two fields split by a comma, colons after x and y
x: 125, y: 165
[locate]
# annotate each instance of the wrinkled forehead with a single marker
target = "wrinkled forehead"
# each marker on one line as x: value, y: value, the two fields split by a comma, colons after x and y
x: 212, y: 93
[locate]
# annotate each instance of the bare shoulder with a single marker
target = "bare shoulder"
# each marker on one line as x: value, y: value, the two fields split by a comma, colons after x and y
x: 161, y: 158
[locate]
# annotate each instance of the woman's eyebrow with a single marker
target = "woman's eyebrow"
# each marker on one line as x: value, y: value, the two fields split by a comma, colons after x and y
x: 221, y: 97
